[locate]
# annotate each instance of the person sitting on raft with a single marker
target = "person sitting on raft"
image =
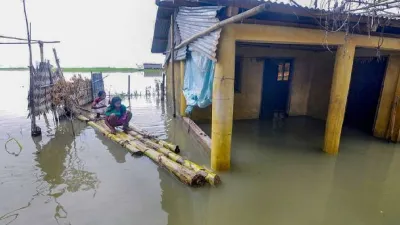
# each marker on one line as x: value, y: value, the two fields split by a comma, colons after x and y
x: 117, y: 115
x: 99, y: 105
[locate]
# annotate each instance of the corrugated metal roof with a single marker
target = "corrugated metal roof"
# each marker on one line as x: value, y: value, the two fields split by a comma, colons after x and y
x: 277, y: 11
x: 179, y: 54
x: 192, y: 20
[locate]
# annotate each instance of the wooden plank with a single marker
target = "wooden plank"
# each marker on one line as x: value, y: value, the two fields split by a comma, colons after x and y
x: 197, y: 133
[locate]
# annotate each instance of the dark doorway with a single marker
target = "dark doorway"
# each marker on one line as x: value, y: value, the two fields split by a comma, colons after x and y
x: 365, y: 89
x: 275, y: 91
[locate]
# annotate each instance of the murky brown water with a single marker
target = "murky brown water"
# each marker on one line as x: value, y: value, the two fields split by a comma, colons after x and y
x: 279, y: 176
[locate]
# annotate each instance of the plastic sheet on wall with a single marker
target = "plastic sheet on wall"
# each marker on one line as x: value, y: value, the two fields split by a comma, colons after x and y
x: 198, y: 81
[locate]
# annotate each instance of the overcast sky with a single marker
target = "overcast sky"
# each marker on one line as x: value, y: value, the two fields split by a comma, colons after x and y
x: 92, y: 32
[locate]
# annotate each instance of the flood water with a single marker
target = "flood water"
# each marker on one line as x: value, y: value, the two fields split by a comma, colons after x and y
x: 279, y: 175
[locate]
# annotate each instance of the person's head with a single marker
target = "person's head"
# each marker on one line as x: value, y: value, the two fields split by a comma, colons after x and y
x: 116, y: 102
x: 101, y: 94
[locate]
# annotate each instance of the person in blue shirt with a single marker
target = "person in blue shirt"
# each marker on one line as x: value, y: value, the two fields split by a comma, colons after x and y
x: 117, y: 115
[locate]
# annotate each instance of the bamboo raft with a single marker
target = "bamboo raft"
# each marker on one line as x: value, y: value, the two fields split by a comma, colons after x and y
x: 163, y: 153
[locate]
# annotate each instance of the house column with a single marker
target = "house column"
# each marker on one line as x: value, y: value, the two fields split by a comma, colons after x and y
x: 338, y: 99
x: 390, y: 85
x: 183, y: 99
x: 222, y: 102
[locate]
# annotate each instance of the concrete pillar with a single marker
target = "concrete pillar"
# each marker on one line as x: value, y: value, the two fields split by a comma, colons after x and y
x: 183, y: 99
x: 338, y: 99
x: 387, y: 96
x: 222, y: 102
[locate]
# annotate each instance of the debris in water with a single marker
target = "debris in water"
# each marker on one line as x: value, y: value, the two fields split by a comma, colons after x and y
x: 17, y: 142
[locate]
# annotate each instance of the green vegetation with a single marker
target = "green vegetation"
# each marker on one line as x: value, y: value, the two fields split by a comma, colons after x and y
x: 100, y: 69
x: 14, y: 69
x: 89, y: 69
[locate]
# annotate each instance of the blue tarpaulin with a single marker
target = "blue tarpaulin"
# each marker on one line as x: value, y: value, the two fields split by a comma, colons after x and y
x: 198, y: 81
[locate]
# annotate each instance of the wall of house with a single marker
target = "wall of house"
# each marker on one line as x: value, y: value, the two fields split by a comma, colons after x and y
x: 320, y: 85
x: 321, y: 80
x: 310, y: 85
x: 178, y: 88
x: 248, y: 101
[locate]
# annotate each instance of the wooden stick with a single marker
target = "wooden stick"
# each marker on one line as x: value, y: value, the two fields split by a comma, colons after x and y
x: 392, y: 121
x: 35, y: 131
x: 41, y: 51
x: 170, y: 146
x: 210, y: 176
x: 162, y: 87
x: 129, y: 86
x: 197, y: 133
x: 23, y: 39
x: 233, y: 19
x: 173, y: 62
x: 58, y: 62
x: 184, y: 174
x: 25, y: 43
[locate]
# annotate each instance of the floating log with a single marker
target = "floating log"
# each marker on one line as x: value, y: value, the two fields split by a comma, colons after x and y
x: 197, y: 133
x: 210, y: 176
x: 184, y: 174
x: 115, y: 138
x: 165, y: 144
x: 144, y: 134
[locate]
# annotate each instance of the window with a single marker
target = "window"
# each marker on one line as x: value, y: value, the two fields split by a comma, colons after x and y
x: 283, y: 71
x: 238, y: 74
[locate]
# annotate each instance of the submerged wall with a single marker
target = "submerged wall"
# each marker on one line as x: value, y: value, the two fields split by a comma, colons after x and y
x: 309, y: 94
x: 168, y: 80
x: 309, y: 89
x: 322, y: 64
x: 248, y: 101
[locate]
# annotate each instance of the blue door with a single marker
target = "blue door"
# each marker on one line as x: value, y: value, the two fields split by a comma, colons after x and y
x: 275, y: 90
x: 365, y: 90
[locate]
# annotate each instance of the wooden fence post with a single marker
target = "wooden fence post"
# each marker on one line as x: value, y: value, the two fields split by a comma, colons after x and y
x: 173, y: 62
x: 129, y: 86
x: 41, y: 51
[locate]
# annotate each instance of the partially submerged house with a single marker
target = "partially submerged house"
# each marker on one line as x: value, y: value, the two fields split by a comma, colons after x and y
x: 156, y: 66
x: 281, y: 61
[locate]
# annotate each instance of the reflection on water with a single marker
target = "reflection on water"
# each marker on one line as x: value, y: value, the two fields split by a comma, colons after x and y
x: 61, y: 167
x: 279, y: 175
x: 118, y: 155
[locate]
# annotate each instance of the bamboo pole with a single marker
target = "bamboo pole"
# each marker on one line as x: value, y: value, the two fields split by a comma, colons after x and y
x: 129, y: 86
x: 41, y: 51
x: 209, y: 175
x: 25, y: 43
x: 184, y: 174
x: 173, y: 62
x: 24, y: 39
x: 159, y: 143
x: 165, y: 144
x: 58, y: 62
x: 35, y: 130
x: 162, y: 87
x: 183, y: 104
x: 233, y: 19
x: 197, y: 133
x: 392, y: 121
x: 124, y: 143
